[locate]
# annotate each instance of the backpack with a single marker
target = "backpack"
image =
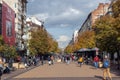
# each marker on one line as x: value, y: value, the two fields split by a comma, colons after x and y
x: 106, y: 64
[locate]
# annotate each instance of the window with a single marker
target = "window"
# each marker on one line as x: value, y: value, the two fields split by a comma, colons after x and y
x: 15, y: 5
x: 15, y: 15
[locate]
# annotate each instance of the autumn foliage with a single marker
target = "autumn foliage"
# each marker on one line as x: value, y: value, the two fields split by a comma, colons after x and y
x: 41, y: 42
x: 85, y: 40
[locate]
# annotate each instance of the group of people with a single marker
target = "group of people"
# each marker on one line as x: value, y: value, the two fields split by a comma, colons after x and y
x: 105, y: 62
x: 84, y: 60
x: 97, y: 62
x: 3, y: 68
x: 105, y: 65
x: 50, y: 60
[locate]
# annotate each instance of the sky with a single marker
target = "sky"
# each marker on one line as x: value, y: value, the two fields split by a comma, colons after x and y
x: 62, y: 17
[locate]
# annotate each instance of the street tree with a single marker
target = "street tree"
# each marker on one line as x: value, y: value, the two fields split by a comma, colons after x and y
x: 108, y: 34
x: 68, y: 49
x: 9, y: 51
x: 116, y: 8
x: 41, y: 42
x: 53, y: 45
x: 116, y: 15
x: 86, y: 39
x: 6, y: 50
x: 1, y: 44
x: 38, y: 43
x: 105, y: 33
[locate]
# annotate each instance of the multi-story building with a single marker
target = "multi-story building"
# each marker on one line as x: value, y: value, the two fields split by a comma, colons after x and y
x: 33, y: 24
x: 110, y: 8
x: 101, y: 10
x: 19, y: 6
x: 93, y: 16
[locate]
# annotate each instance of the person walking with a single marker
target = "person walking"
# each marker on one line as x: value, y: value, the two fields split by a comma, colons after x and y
x: 80, y: 60
x: 106, y: 68
x: 96, y: 60
x: 42, y: 60
x: 52, y: 60
x: 49, y: 60
x: 68, y: 59
x: 34, y: 61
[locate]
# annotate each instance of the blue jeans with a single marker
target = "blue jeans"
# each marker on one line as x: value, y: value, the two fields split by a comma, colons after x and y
x: 96, y: 64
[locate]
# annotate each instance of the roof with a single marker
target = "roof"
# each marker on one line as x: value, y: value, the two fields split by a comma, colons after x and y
x: 34, y: 20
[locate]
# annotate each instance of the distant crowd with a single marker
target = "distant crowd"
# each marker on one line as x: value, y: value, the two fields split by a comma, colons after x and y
x: 28, y: 61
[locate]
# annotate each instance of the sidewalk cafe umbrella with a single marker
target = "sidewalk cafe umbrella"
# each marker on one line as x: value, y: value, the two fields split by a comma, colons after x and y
x: 83, y: 50
x: 95, y: 49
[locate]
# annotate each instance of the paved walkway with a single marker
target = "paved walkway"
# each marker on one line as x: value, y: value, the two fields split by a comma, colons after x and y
x: 17, y: 72
x: 62, y: 71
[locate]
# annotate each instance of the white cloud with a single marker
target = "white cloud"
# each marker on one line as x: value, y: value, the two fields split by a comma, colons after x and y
x: 42, y: 16
x: 94, y: 4
x: 63, y: 41
x: 64, y: 25
x: 63, y: 38
x: 70, y: 13
x: 90, y: 5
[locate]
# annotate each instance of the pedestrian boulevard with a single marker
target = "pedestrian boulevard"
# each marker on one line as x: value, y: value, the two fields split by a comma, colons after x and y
x: 62, y: 71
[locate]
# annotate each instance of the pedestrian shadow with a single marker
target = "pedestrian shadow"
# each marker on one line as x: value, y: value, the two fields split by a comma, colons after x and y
x: 114, y: 70
x: 92, y: 68
x: 77, y: 65
x: 98, y: 77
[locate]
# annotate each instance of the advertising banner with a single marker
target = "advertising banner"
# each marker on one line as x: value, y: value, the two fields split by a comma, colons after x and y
x: 8, y: 24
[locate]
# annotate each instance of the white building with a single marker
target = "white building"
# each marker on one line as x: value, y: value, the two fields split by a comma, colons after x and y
x: 75, y: 35
x: 32, y: 24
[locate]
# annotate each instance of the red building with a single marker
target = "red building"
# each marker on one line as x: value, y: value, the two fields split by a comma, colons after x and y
x: 7, y: 23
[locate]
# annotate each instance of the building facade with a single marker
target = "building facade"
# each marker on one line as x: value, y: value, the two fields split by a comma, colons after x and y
x: 101, y: 10
x: 19, y: 7
x: 33, y: 24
